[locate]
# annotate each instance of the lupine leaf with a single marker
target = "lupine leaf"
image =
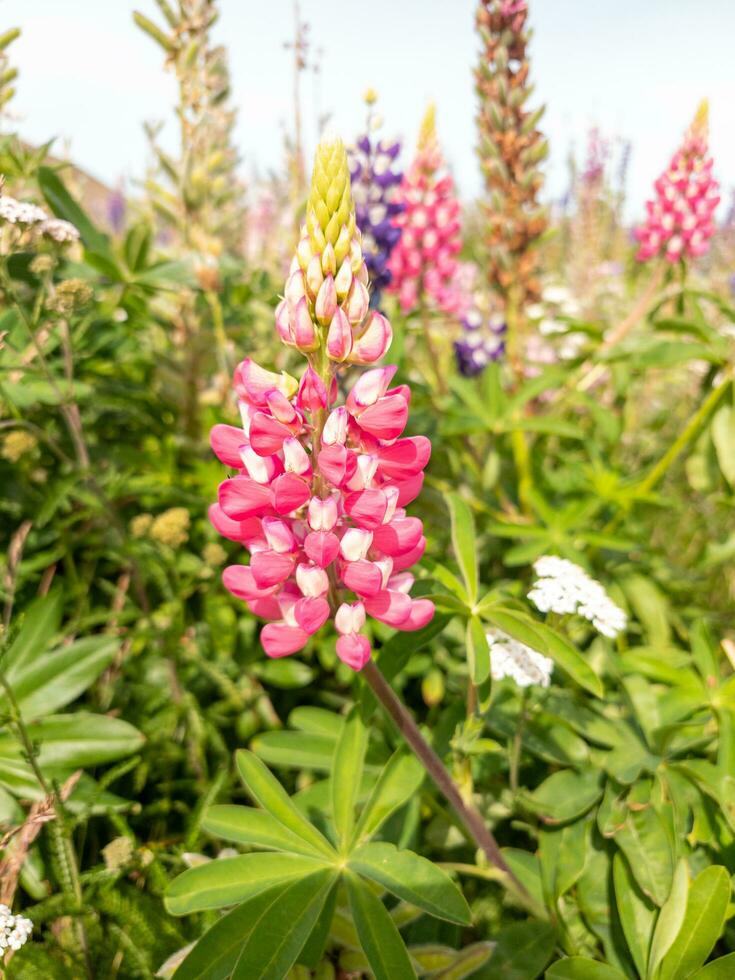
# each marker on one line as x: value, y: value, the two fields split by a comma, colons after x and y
x: 349, y: 757
x: 378, y: 935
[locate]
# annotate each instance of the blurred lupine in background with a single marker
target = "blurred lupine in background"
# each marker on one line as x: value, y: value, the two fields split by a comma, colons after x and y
x: 511, y: 149
x: 375, y: 177
x: 424, y: 262
x: 482, y: 340
x: 680, y: 219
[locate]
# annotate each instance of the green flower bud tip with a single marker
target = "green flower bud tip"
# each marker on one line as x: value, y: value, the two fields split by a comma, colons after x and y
x: 330, y: 212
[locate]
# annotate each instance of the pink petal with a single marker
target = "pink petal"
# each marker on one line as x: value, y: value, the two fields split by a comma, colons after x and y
x: 239, y: 580
x: 226, y: 441
x: 337, y: 464
x: 289, y: 493
x: 243, y: 531
x: 339, y: 337
x: 252, y: 382
x: 405, y: 458
x: 311, y: 613
x: 398, y: 537
x: 409, y: 490
x: 267, y: 434
x: 392, y: 608
x: 266, y: 608
x: 312, y: 393
x: 279, y: 640
x: 279, y: 535
x: 363, y: 577
x: 353, y: 650
x: 386, y: 419
x: 241, y: 497
x: 422, y: 612
x: 410, y: 557
x: 369, y: 388
x: 367, y: 508
x: 270, y: 568
x: 322, y: 547
x: 374, y: 341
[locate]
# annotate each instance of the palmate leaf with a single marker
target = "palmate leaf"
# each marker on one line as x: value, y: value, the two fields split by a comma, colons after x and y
x: 378, y: 934
x: 636, y: 912
x: 268, y: 792
x: 347, y: 768
x: 52, y: 680
x: 670, y: 917
x: 478, y: 651
x: 412, y: 878
x: 256, y: 828
x: 228, y: 881
x: 283, y: 928
x: 464, y: 543
x: 706, y: 908
x: 399, y: 781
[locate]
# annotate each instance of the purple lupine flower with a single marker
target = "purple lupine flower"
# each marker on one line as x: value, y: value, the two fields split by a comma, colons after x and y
x: 374, y: 180
x: 482, y: 341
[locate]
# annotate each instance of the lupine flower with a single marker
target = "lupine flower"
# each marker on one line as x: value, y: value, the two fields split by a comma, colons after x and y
x: 424, y: 261
x: 320, y: 491
x: 565, y: 588
x: 14, y: 930
x: 680, y: 219
x: 510, y: 148
x: 510, y: 658
x: 375, y: 178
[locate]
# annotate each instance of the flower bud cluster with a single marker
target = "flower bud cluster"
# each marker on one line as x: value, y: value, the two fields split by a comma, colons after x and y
x: 326, y: 302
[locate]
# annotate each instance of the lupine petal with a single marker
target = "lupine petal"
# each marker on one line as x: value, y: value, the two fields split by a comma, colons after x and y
x: 240, y: 498
x: 398, y: 537
x: 405, y: 458
x: 422, y: 612
x: 267, y: 434
x: 289, y: 493
x: 311, y: 613
x: 337, y: 464
x: 363, y: 577
x: 353, y: 650
x: 367, y: 508
x: 386, y: 419
x: 392, y: 608
x: 239, y: 580
x: 271, y: 568
x: 280, y: 640
x: 243, y: 531
x: 410, y: 557
x: 322, y: 547
x: 408, y: 490
x: 226, y: 441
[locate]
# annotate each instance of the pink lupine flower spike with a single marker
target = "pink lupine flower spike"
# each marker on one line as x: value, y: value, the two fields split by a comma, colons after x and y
x: 320, y: 491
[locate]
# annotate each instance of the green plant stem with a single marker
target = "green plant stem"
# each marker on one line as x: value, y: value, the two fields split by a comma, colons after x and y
x: 50, y: 791
x: 517, y: 744
x: 467, y: 814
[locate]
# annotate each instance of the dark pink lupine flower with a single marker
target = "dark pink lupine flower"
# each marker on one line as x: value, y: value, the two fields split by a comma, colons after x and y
x: 319, y: 493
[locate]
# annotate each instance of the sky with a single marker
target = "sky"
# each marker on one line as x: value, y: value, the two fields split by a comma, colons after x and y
x: 636, y: 69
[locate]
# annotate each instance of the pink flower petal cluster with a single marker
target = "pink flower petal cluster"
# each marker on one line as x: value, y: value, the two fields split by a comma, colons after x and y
x: 319, y: 501
x: 424, y: 262
x: 680, y: 220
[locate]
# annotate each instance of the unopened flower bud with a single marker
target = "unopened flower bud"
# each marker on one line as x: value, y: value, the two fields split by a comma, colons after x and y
x: 302, y: 327
x: 329, y: 260
x: 326, y: 302
x: 339, y: 338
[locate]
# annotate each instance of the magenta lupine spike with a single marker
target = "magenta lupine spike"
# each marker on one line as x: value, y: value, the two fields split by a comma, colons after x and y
x: 320, y: 489
x: 680, y: 220
x: 424, y: 262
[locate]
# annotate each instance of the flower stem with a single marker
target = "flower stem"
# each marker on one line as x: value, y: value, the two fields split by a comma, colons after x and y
x: 468, y: 815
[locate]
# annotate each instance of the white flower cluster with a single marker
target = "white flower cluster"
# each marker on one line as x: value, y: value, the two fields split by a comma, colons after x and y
x: 20, y: 212
x: 509, y: 658
x: 14, y: 929
x: 24, y: 213
x: 59, y: 230
x: 565, y: 588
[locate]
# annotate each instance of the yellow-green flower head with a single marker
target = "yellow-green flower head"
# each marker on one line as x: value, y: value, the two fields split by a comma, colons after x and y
x: 330, y: 212
x: 700, y: 124
x: 427, y: 133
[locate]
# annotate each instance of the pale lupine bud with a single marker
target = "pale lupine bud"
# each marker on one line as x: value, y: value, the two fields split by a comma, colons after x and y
x: 680, y: 219
x: 326, y: 298
x: 319, y: 502
x: 424, y: 260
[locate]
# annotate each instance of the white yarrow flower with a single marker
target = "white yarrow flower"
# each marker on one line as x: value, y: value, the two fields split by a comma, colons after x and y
x: 510, y: 658
x: 565, y: 588
x: 59, y: 230
x: 14, y: 930
x: 20, y: 212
